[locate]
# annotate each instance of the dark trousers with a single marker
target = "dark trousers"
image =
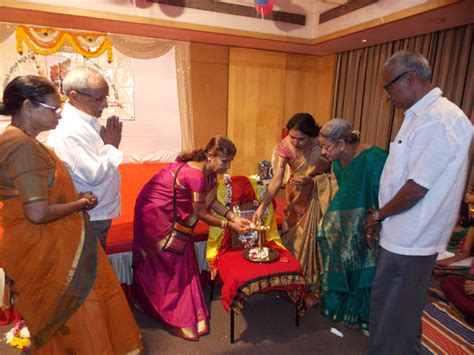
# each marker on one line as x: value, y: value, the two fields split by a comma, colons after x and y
x: 397, y: 301
x: 100, y: 229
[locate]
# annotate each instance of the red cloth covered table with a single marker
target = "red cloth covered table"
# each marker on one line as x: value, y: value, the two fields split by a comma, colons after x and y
x: 242, y: 278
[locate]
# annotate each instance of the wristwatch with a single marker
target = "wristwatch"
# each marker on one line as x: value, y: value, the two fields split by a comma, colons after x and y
x: 375, y: 216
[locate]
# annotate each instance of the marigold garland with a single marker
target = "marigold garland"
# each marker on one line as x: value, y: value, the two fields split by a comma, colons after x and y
x: 36, y: 40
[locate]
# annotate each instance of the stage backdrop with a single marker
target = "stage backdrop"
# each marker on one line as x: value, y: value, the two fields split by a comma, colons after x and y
x: 143, y: 92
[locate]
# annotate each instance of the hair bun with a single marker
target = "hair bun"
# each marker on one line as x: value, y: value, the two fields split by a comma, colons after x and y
x: 356, y: 133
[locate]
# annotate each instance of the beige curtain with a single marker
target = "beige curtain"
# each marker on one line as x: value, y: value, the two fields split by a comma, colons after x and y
x: 141, y: 47
x: 183, y: 74
x: 359, y: 96
x: 147, y: 48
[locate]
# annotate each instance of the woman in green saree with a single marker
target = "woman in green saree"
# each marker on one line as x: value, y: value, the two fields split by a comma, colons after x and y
x: 348, y: 263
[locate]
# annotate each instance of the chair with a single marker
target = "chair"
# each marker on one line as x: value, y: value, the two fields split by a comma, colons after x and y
x: 248, y: 278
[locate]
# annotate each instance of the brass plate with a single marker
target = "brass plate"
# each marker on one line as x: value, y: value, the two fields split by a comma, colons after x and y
x: 272, y: 256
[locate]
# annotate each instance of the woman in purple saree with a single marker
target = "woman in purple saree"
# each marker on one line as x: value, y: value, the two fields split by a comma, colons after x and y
x: 166, y: 283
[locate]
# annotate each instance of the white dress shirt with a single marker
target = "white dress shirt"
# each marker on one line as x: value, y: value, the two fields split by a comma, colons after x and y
x: 92, y: 164
x: 431, y: 149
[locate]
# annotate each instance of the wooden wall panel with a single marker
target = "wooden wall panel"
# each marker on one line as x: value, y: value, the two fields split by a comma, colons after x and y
x: 310, y: 86
x: 209, y: 77
x: 256, y: 103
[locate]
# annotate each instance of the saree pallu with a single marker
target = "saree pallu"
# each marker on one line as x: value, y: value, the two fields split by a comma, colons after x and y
x: 166, y: 285
x: 348, y: 264
x: 63, y: 285
x: 306, y: 206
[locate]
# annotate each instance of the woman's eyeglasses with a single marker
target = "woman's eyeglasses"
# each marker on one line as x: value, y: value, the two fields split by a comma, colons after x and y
x: 55, y: 109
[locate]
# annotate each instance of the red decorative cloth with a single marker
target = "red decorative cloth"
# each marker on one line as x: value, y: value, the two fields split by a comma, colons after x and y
x: 242, y: 278
x: 9, y: 315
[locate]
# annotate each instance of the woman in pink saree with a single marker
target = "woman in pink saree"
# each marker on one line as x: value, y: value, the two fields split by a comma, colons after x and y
x: 166, y: 283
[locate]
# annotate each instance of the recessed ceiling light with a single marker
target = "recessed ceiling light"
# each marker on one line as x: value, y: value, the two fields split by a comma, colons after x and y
x: 439, y: 20
x: 364, y: 40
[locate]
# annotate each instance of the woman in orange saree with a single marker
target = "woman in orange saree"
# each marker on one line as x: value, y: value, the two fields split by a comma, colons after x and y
x: 61, y: 281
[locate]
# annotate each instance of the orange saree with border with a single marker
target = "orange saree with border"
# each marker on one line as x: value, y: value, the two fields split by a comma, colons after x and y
x: 62, y: 283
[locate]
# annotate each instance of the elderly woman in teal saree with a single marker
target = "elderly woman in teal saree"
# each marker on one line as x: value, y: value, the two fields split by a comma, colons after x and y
x: 348, y: 263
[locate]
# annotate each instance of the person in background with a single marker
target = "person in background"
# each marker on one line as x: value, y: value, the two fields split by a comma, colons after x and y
x: 89, y: 150
x: 459, y: 291
x: 420, y: 193
x: 307, y: 193
x: 348, y: 262
x: 61, y: 280
x: 166, y: 283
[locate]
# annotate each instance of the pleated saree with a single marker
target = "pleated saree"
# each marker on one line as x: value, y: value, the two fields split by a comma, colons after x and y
x: 348, y: 264
x: 306, y: 206
x: 62, y: 282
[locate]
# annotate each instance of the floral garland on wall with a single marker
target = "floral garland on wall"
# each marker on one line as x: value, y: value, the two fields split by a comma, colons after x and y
x: 47, y: 41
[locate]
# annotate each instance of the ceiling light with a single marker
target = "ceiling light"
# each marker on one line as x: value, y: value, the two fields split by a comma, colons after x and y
x: 364, y: 40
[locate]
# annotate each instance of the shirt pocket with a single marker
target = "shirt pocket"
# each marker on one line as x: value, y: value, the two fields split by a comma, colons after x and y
x: 397, y: 164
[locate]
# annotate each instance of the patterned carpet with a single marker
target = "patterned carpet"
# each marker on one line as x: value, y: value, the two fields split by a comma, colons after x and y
x: 445, y: 332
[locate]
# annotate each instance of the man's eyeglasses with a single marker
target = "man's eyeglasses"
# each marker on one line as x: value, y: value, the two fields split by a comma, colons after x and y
x: 388, y: 86
x: 100, y: 99
x: 55, y: 109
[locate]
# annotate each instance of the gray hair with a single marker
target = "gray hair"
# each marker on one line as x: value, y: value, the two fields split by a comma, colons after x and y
x: 408, y: 60
x: 80, y: 79
x: 337, y: 129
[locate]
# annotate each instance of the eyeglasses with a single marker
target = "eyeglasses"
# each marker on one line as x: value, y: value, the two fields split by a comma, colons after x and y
x: 100, y: 99
x: 328, y: 147
x: 52, y: 108
x: 388, y: 86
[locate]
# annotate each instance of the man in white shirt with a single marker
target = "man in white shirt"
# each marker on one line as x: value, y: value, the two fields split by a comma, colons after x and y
x: 421, y: 188
x: 89, y: 150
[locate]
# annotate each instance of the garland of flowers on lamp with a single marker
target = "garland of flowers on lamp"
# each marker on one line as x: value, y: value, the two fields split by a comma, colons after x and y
x: 47, y: 41
x: 19, y: 337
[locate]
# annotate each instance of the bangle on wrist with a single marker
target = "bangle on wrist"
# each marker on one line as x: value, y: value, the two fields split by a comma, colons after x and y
x: 224, y: 223
x: 227, y: 212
